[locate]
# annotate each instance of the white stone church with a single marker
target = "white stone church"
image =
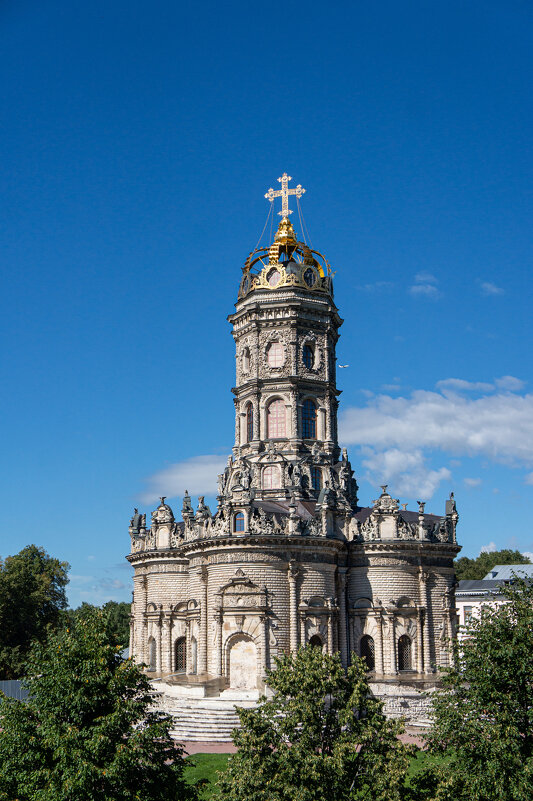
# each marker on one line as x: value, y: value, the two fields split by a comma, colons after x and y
x: 289, y: 557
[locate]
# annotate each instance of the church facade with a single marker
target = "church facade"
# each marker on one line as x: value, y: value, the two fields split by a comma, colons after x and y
x: 289, y: 557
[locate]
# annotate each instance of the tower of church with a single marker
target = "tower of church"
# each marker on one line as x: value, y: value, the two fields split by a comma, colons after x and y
x: 289, y: 558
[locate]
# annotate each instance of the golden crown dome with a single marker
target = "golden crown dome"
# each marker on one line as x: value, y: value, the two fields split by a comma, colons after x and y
x: 286, y: 262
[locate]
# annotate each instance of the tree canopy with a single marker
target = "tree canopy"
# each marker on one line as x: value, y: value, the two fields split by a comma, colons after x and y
x: 321, y: 737
x: 483, y: 717
x: 478, y: 568
x: 87, y: 731
x: 117, y: 616
x: 32, y: 595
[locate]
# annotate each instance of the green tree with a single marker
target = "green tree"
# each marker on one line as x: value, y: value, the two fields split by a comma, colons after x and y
x: 321, y: 737
x: 32, y: 595
x: 87, y: 732
x: 117, y: 615
x: 478, y: 568
x: 483, y: 716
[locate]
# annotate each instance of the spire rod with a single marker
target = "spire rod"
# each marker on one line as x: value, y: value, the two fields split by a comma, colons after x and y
x: 284, y: 193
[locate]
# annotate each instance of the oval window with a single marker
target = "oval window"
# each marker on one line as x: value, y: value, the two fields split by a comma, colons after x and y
x: 273, y: 277
x: 309, y: 277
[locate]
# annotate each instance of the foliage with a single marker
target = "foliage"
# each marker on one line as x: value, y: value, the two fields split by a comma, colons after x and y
x: 478, y: 568
x: 117, y: 615
x: 32, y: 595
x: 321, y: 737
x: 484, y: 714
x: 87, y: 732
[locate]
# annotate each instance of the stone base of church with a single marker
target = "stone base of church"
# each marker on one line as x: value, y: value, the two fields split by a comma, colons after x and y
x: 204, y: 710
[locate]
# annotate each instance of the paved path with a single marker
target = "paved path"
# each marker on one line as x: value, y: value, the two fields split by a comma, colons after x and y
x: 410, y: 738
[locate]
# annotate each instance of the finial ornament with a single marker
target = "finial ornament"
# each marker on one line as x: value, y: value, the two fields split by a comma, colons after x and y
x: 284, y: 193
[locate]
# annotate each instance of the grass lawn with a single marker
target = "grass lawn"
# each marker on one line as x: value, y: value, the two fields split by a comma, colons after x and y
x: 203, y: 768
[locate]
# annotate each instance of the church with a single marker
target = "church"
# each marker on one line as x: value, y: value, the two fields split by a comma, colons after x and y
x: 290, y: 558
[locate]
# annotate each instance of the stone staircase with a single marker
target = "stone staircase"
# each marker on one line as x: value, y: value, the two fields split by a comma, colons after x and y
x: 209, y: 720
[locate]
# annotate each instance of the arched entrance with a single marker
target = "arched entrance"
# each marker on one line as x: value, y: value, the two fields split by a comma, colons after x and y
x: 368, y: 651
x: 316, y: 641
x: 242, y: 663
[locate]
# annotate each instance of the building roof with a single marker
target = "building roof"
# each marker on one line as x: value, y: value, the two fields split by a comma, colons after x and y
x: 477, y: 587
x: 505, y: 572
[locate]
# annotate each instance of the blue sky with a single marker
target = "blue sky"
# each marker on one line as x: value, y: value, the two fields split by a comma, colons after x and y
x: 137, y: 143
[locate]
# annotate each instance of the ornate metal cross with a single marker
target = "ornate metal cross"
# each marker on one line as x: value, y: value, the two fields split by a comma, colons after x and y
x: 284, y: 193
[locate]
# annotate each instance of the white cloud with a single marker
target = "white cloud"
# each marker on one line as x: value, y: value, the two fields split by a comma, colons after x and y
x: 425, y: 278
x: 397, y: 434
x: 460, y: 385
x: 378, y: 286
x: 498, y: 427
x: 425, y: 285
x: 472, y: 482
x: 405, y: 471
x: 510, y: 383
x: 488, y: 288
x: 427, y: 290
x: 490, y: 548
x: 528, y: 555
x: 198, y: 475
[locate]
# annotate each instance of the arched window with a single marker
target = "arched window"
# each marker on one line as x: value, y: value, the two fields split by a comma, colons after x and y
x: 152, y: 654
x: 316, y: 479
x: 404, y: 653
x: 308, y: 356
x: 180, y: 655
x: 308, y: 420
x: 246, y: 360
x: 271, y: 477
x: 249, y: 423
x: 238, y: 522
x: 276, y: 419
x: 315, y: 641
x: 367, y: 651
x: 275, y: 354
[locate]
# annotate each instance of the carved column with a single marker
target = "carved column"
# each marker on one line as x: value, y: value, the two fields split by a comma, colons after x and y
x: 420, y: 642
x: 294, y: 415
x: 218, y: 638
x: 141, y: 622
x: 381, y: 653
x: 394, y: 649
x: 159, y: 644
x: 167, y: 662
x: 343, y: 633
x: 237, y: 424
x: 425, y: 590
x: 132, y: 635
x: 188, y: 646
x: 264, y: 644
x: 293, y: 608
x: 330, y: 626
x: 202, y: 655
x: 302, y: 630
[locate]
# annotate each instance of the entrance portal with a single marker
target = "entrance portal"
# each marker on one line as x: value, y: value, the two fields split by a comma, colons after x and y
x: 242, y: 659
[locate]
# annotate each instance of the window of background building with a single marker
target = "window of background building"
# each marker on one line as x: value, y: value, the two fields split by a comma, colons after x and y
x: 249, y: 423
x: 316, y: 478
x: 308, y: 356
x: 308, y: 420
x: 467, y: 613
x: 276, y: 419
x: 271, y: 477
x: 275, y: 354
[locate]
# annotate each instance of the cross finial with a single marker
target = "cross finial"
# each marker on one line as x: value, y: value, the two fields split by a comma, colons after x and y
x: 284, y: 193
